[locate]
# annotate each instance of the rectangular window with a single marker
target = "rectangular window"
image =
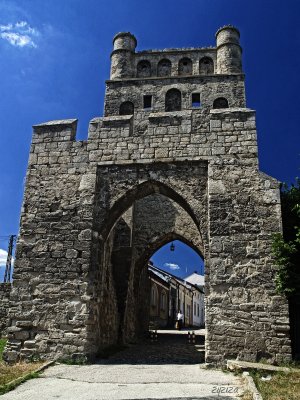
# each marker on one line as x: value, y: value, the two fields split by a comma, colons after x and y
x: 196, y: 100
x: 198, y: 314
x: 194, y: 308
x: 147, y: 102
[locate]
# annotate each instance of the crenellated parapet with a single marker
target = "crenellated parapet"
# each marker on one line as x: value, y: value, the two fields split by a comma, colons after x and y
x: 175, y: 79
x: 225, y: 58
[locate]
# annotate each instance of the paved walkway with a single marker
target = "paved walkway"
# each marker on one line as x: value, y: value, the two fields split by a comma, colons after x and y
x: 183, y: 331
x: 168, y: 369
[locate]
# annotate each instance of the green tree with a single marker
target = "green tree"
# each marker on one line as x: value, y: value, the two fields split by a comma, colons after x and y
x: 286, y: 246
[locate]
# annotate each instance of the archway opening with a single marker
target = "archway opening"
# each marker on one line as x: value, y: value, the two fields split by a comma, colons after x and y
x: 176, y: 275
x: 136, y: 224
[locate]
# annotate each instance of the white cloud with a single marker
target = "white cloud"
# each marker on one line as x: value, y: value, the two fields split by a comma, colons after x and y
x: 6, y: 27
x: 17, y: 40
x: 20, y: 34
x: 172, y: 266
x: 3, y: 257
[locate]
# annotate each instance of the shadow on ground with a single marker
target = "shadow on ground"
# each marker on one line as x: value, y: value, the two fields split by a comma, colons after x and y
x: 167, y: 349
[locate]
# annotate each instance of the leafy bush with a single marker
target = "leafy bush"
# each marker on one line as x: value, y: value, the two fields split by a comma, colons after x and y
x: 286, y: 246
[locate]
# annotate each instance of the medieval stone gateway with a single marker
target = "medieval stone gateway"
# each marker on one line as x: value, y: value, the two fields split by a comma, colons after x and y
x: 175, y: 156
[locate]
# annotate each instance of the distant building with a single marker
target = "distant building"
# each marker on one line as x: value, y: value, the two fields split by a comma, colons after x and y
x: 159, y: 300
x: 198, y: 300
x: 169, y: 294
x: 196, y: 279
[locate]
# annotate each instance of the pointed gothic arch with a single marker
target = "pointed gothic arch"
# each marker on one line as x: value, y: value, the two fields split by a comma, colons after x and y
x: 138, y: 192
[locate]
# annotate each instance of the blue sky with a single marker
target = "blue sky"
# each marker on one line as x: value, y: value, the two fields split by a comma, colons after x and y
x: 182, y: 261
x: 55, y: 59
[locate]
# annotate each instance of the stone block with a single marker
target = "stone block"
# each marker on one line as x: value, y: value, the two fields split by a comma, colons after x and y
x: 215, y: 124
x: 29, y: 344
x: 71, y: 253
x: 24, y: 324
x: 22, y: 335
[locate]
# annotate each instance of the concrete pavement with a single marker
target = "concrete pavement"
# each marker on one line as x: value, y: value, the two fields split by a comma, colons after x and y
x: 127, y: 381
x: 170, y: 368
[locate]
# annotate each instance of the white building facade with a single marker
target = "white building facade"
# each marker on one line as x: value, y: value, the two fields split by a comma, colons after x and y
x: 197, y: 281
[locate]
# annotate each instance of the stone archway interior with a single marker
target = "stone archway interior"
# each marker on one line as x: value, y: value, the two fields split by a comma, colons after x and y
x: 145, y: 226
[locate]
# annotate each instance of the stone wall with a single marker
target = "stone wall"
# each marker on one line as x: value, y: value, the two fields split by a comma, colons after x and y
x: 5, y: 289
x: 156, y: 217
x: 79, y: 277
x: 209, y: 88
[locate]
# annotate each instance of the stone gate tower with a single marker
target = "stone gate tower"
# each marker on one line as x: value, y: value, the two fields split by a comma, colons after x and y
x: 174, y: 157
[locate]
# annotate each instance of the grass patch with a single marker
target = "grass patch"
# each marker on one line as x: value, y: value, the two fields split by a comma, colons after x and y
x: 281, y: 386
x: 19, y: 372
x: 11, y: 372
x: 7, y: 387
x: 247, y: 396
x: 2, y: 345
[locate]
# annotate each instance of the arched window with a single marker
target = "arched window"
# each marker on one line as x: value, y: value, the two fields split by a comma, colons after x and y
x: 143, y: 69
x: 206, y: 66
x: 164, y: 67
x: 173, y: 100
x: 126, y: 108
x: 185, y: 66
x: 220, y: 102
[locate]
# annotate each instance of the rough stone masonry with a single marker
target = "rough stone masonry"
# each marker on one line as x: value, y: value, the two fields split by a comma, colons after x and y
x: 5, y: 289
x: 174, y: 157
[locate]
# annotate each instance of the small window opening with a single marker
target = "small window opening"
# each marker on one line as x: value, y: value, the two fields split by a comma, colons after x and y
x: 147, y: 102
x: 164, y: 67
x: 143, y: 69
x: 206, y: 66
x: 185, y: 66
x: 126, y: 108
x: 173, y: 100
x: 221, y: 102
x: 196, y: 100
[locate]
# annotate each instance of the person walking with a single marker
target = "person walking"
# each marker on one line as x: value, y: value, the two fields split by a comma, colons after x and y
x: 179, y: 320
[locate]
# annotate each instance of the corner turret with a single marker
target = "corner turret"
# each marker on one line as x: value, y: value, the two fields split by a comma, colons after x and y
x: 122, y: 57
x: 229, y: 51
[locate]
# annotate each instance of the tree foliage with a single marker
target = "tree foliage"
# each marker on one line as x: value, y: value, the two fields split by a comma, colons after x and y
x: 286, y: 246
